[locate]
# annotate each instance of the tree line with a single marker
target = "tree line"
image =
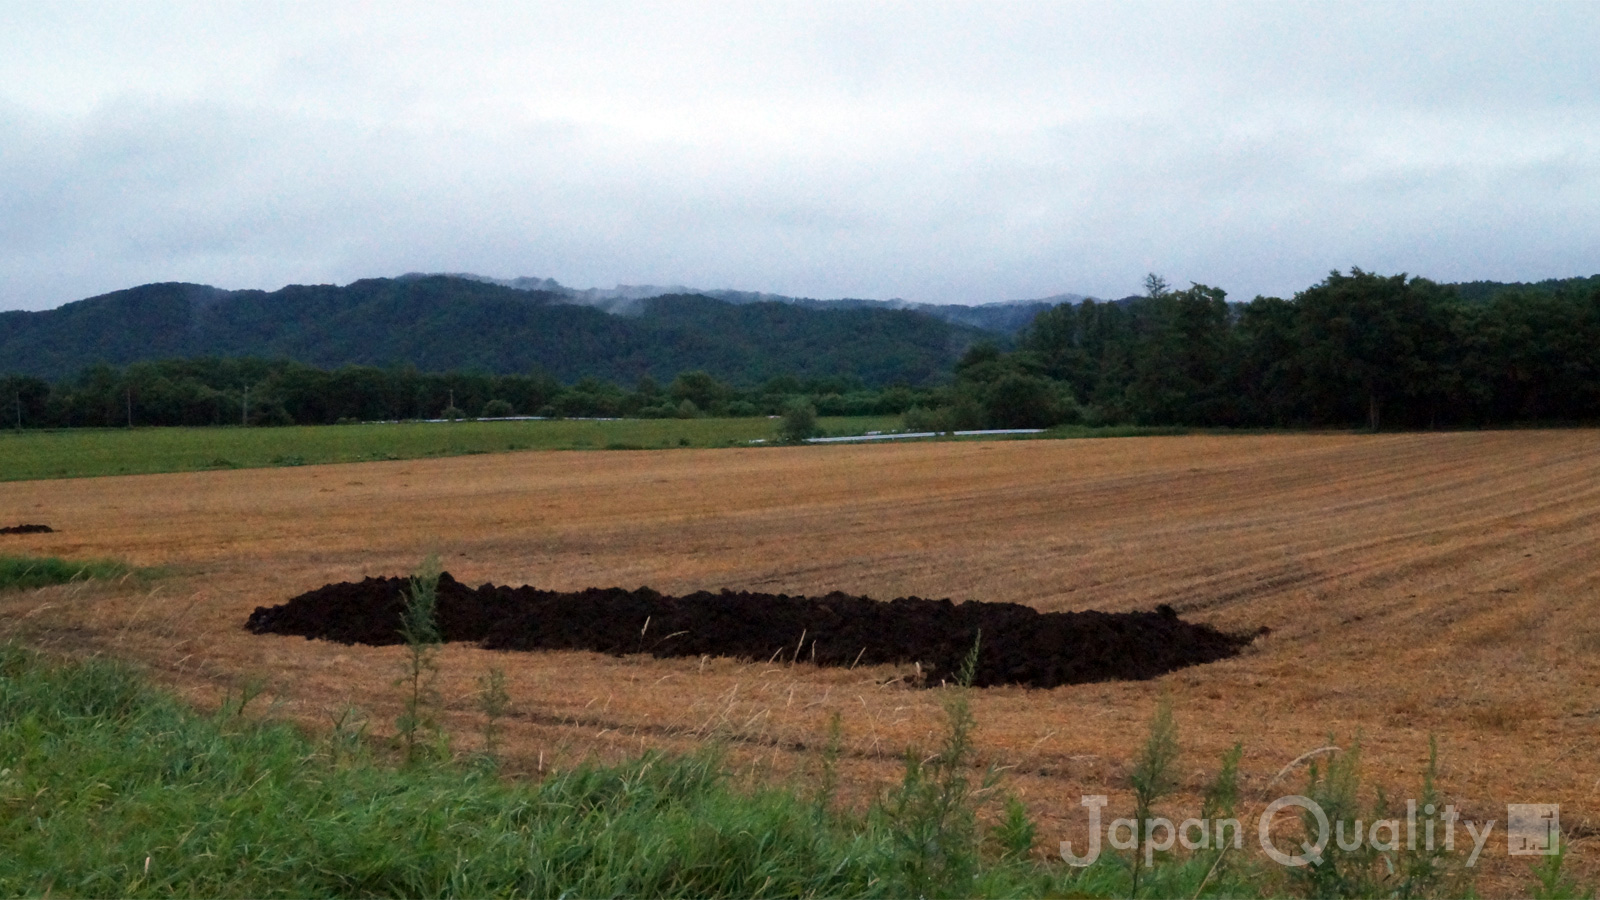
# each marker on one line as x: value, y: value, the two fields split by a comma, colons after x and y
x: 1355, y: 350
x: 224, y: 391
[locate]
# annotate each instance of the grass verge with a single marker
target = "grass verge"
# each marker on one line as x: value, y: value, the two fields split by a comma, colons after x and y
x: 109, y: 787
x: 112, y: 788
x: 29, y: 572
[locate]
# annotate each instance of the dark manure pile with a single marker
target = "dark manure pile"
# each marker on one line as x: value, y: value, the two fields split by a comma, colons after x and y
x: 1019, y: 645
x: 27, y: 529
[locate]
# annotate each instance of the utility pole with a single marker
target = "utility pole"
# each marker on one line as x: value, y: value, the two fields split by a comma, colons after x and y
x: 244, y: 411
x: 130, y: 407
x: 19, y: 410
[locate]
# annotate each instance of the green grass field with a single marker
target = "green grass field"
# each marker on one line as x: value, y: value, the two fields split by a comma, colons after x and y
x: 80, y: 453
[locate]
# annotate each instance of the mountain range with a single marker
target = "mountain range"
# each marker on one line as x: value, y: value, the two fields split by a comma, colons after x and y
x: 464, y: 322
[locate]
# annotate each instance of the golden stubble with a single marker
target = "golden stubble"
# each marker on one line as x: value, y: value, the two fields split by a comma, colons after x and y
x: 1414, y: 584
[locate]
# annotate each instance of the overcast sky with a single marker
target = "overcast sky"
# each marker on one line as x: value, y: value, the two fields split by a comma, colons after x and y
x: 943, y: 153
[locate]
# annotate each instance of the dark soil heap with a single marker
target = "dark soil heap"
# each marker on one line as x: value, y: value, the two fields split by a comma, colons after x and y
x: 27, y: 529
x: 1020, y: 645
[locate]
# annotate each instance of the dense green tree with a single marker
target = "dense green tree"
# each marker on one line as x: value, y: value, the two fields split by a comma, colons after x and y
x: 1368, y: 342
x: 1267, y: 372
x: 1019, y: 400
x: 699, y: 388
x: 1357, y: 348
x: 592, y: 397
x: 1181, y: 372
x: 24, y: 402
x: 1533, y: 355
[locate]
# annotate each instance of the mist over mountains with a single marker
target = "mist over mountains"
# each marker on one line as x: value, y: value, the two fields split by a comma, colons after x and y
x: 1004, y: 316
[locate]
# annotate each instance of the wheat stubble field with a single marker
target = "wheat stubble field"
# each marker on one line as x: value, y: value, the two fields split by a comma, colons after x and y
x: 1414, y: 584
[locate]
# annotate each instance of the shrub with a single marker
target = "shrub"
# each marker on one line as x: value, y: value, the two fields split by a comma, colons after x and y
x: 933, y: 814
x: 1551, y: 883
x: 1367, y: 870
x: 798, y: 423
x: 1016, y: 400
x: 965, y: 414
x: 918, y: 418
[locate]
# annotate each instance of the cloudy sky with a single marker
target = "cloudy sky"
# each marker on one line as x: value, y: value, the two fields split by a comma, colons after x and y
x: 943, y: 153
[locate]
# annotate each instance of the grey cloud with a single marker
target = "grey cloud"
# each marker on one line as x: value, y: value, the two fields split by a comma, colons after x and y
x: 931, y: 152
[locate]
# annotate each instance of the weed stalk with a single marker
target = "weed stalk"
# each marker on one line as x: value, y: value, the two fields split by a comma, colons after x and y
x: 494, y: 702
x: 1152, y: 778
x: 420, y: 631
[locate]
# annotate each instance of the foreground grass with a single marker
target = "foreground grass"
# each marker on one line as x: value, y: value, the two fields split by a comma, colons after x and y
x: 85, y: 452
x: 109, y: 788
x: 29, y: 572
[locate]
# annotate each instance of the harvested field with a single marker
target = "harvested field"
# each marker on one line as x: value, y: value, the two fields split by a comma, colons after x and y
x: 1016, y: 644
x: 1415, y: 585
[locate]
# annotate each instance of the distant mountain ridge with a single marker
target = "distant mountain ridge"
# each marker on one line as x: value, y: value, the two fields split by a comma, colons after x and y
x: 469, y: 322
x: 447, y: 323
x: 1006, y: 317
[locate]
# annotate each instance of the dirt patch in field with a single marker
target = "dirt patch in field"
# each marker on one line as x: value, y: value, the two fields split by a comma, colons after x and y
x: 27, y: 529
x: 1019, y: 645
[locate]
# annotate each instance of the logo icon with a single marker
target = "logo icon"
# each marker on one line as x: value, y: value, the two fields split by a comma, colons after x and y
x: 1533, y: 829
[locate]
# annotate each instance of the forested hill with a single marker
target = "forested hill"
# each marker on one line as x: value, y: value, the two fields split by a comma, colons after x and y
x: 442, y: 323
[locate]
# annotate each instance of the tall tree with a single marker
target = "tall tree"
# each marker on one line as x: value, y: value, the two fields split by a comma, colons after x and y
x: 1369, y: 342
